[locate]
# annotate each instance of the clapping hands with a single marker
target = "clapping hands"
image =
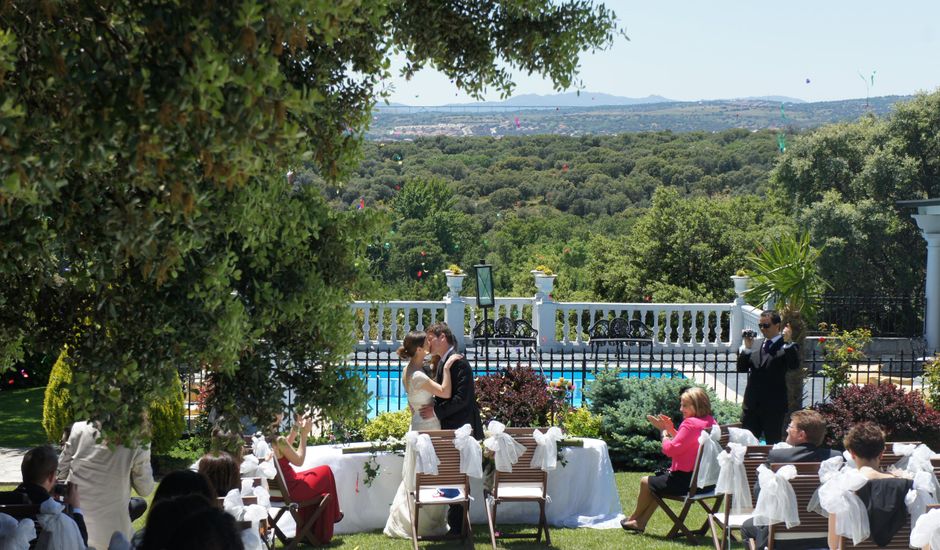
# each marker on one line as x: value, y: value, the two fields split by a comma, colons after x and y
x: 662, y: 422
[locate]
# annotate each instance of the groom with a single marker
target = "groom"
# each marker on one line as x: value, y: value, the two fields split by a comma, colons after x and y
x: 461, y: 408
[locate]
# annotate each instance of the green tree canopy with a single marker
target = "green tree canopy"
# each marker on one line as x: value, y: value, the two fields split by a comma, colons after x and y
x: 144, y: 215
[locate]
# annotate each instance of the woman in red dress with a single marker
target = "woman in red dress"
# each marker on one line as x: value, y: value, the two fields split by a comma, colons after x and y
x: 308, y: 484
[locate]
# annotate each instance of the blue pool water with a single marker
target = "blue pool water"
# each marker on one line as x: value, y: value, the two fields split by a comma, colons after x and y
x: 387, y: 393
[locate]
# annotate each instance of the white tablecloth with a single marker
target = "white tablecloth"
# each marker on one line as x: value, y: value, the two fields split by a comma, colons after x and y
x: 583, y: 493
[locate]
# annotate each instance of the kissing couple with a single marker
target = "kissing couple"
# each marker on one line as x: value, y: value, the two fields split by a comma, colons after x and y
x: 441, y: 397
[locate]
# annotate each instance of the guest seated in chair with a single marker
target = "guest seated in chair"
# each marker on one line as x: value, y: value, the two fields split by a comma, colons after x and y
x: 682, y: 447
x: 221, y: 470
x: 175, y: 484
x: 308, y: 484
x: 883, y: 495
x: 39, y: 481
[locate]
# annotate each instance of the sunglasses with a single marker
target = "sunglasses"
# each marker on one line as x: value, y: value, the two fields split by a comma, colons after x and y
x: 763, y: 325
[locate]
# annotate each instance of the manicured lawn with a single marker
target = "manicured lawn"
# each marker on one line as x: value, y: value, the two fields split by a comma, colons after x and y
x: 21, y: 418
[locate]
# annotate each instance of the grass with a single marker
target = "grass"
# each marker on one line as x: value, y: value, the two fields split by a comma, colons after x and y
x: 21, y: 418
x: 573, y: 539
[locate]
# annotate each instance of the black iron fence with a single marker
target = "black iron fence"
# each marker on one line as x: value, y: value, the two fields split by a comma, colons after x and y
x: 716, y: 369
x: 884, y: 315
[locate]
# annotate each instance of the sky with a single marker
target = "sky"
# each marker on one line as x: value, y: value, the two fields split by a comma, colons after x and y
x: 722, y: 49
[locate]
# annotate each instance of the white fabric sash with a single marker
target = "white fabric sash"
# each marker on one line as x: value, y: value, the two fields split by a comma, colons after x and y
x: 235, y: 506
x: 15, y: 535
x: 921, y: 495
x: 260, y: 447
x: 546, y: 448
x: 777, y: 500
x: 64, y: 533
x: 917, y: 459
x: 426, y: 461
x: 249, y: 490
x: 708, y: 465
x: 837, y: 496
x: 506, y: 449
x: 828, y: 469
x: 782, y: 445
x: 732, y: 478
x: 471, y: 455
x: 252, y: 467
x: 926, y: 530
x: 849, y: 461
x: 742, y: 436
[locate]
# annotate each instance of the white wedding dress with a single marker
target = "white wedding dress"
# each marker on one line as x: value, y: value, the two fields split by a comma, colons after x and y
x: 433, y: 519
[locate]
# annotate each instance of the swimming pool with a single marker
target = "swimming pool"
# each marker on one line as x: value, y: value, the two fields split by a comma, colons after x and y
x: 387, y: 393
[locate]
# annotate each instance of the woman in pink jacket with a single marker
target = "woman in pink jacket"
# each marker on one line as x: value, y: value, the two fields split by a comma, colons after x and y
x: 681, y: 446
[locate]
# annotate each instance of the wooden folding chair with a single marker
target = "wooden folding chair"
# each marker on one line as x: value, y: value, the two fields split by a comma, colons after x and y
x: 304, y: 532
x: 523, y: 484
x: 900, y: 540
x: 694, y: 496
x: 427, y: 487
x: 754, y: 456
x: 812, y: 525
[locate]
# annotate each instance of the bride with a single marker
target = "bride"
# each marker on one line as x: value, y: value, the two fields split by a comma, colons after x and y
x: 421, y: 389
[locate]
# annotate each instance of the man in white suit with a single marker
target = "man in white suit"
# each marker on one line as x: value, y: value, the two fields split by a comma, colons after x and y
x: 104, y: 477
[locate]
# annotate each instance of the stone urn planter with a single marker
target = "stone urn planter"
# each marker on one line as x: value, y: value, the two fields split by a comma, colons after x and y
x: 543, y: 283
x: 454, y: 282
x: 741, y: 283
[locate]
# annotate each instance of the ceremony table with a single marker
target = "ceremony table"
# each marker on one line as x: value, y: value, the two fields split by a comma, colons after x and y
x: 582, y: 493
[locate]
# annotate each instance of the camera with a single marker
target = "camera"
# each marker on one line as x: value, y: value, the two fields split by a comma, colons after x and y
x: 60, y: 490
x: 748, y: 333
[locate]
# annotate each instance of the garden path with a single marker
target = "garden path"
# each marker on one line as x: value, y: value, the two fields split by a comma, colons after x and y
x: 10, y: 460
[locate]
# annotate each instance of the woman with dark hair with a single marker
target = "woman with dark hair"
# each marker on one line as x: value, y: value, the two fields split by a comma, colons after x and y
x: 221, y: 470
x: 421, y: 389
x: 175, y: 484
x: 682, y: 447
x: 308, y: 484
x: 190, y: 522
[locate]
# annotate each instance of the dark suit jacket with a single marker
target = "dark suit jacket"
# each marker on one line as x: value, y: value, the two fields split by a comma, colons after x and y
x: 462, y: 407
x: 767, y: 384
x: 37, y: 495
x: 807, y: 452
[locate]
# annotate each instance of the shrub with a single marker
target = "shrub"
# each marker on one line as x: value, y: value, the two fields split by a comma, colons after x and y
x: 580, y: 422
x: 166, y: 416
x: 932, y: 382
x: 517, y: 397
x: 842, y: 349
x: 902, y: 415
x: 388, y: 424
x: 624, y: 404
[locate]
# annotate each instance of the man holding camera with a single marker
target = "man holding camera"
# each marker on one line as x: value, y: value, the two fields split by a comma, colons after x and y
x: 39, y: 484
x: 767, y: 360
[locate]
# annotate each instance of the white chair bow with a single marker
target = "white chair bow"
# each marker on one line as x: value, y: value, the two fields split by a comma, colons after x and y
x: 471, y: 455
x: 849, y: 461
x: 777, y: 500
x: 921, y: 495
x: 926, y: 530
x: 64, y: 533
x: 782, y: 445
x: 837, y: 496
x: 742, y: 436
x: 828, y: 469
x: 260, y: 447
x: 15, y: 535
x: 235, y: 506
x: 545, y: 456
x: 249, y: 490
x: 426, y: 461
x: 732, y: 478
x: 253, y: 467
x: 710, y: 449
x: 917, y: 459
x: 506, y: 449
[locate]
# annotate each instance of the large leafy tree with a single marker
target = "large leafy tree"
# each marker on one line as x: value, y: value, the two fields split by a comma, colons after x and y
x: 144, y: 216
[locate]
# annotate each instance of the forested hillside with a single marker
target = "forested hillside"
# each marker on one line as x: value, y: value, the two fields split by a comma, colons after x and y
x: 649, y: 216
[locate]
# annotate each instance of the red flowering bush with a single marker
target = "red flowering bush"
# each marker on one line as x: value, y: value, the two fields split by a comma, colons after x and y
x: 902, y: 415
x: 517, y: 397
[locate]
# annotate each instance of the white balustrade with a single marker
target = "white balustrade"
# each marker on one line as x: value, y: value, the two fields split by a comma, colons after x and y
x: 383, y: 325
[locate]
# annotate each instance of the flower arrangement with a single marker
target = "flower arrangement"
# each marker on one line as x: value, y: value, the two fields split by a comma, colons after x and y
x: 455, y: 269
x: 561, y: 386
x: 547, y: 271
x: 841, y: 349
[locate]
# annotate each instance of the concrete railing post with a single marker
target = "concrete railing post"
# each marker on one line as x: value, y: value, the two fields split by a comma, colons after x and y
x: 737, y: 315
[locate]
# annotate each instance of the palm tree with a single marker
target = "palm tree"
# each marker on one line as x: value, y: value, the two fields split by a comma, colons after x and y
x: 786, y: 272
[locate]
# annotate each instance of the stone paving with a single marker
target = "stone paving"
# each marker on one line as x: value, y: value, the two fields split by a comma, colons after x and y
x: 10, y: 460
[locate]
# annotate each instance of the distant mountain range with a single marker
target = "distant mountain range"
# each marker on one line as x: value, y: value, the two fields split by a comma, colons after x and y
x: 531, y: 115
x: 586, y: 99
